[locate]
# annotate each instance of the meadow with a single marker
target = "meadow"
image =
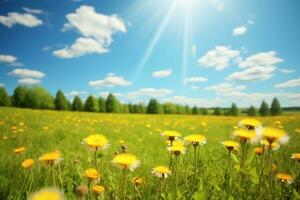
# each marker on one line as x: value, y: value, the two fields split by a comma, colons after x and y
x: 207, y: 169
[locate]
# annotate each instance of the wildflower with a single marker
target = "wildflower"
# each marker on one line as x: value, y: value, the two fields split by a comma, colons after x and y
x: 274, y: 145
x: 178, y: 148
x: 137, y: 181
x: 19, y: 150
x: 297, y: 130
x: 81, y: 191
x: 47, y: 194
x: 284, y: 178
x: 296, y: 156
x: 195, y: 139
x: 245, y: 134
x: 161, y: 171
x: 96, y: 141
x: 26, y: 164
x: 98, y: 189
x: 126, y: 161
x: 51, y: 158
x: 4, y: 138
x: 258, y: 151
x: 171, y: 135
x: 92, y: 174
x: 231, y: 145
x: 274, y: 135
x: 249, y: 123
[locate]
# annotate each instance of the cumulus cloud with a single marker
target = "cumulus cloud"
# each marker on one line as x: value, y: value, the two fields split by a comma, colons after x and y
x: 81, y: 47
x: 7, y: 59
x: 33, y: 11
x: 14, y: 18
x: 111, y: 80
x: 289, y: 84
x: 94, y: 27
x: 29, y: 81
x: 106, y: 93
x: 75, y: 93
x: 263, y: 59
x: 239, y: 30
x: 195, y: 79
x: 226, y: 89
x: 287, y: 71
x: 149, y: 92
x: 27, y: 73
x: 218, y: 58
x: 252, y: 74
x: 200, y: 102
x: 162, y: 73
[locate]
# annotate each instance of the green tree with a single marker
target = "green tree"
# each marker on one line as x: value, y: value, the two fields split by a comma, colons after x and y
x: 77, y: 104
x: 204, y: 111
x: 252, y: 111
x: 19, y: 96
x: 39, y: 98
x: 169, y: 108
x: 218, y: 111
x: 4, y: 98
x: 234, y: 111
x: 154, y: 107
x: 112, y: 104
x: 264, y: 109
x: 91, y: 104
x: 196, y: 110
x: 102, y: 105
x: 275, y: 107
x: 60, y: 101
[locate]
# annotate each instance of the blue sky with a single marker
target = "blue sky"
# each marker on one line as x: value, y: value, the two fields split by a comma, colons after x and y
x: 196, y: 52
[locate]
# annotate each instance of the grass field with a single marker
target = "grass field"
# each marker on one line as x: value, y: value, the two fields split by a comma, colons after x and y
x: 211, y: 178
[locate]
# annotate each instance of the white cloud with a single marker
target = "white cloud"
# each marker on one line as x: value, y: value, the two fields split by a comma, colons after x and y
x: 25, y: 19
x: 287, y: 71
x: 263, y: 59
x: 200, y: 102
x: 105, y: 94
x: 29, y: 81
x: 226, y: 89
x: 289, y: 84
x: 252, y: 74
x: 195, y: 87
x: 27, y: 73
x: 111, y: 80
x: 75, y: 93
x: 149, y: 92
x: 218, y: 58
x: 195, y: 79
x: 239, y: 30
x: 1, y: 85
x: 33, y: 11
x: 259, y: 67
x: 81, y: 47
x: 162, y: 73
x: 94, y: 27
x: 7, y: 59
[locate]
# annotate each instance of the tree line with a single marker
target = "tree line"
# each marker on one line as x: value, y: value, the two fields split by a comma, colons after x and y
x: 39, y: 98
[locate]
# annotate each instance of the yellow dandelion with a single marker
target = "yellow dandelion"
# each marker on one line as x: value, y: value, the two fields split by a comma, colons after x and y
x: 249, y: 123
x: 47, y: 194
x: 171, y: 135
x: 177, y: 148
x: 195, y: 139
x: 26, y: 164
x: 19, y: 150
x: 122, y: 142
x: 231, y: 145
x: 137, y: 181
x: 92, y: 174
x: 126, y: 161
x: 296, y: 156
x: 51, y: 157
x: 297, y: 130
x: 284, y: 178
x: 98, y: 189
x: 258, y: 151
x: 96, y: 141
x: 161, y: 171
x: 245, y: 134
x: 274, y: 145
x: 4, y: 138
x: 274, y: 135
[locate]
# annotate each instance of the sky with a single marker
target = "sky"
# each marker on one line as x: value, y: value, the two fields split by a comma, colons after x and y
x: 194, y: 52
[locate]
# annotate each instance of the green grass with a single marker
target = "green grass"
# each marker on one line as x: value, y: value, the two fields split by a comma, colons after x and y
x: 141, y: 134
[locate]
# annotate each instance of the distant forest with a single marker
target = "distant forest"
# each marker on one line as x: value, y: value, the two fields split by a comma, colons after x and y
x: 39, y: 98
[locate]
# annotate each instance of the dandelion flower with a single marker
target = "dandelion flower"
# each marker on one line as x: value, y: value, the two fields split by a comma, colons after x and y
x: 245, y: 134
x: 4, y: 138
x: 195, y: 139
x: 26, y: 164
x: 177, y: 148
x: 96, y: 141
x: 47, y: 194
x: 231, y: 145
x: 161, y: 171
x: 126, y: 161
x: 51, y: 158
x: 171, y: 135
x: 296, y: 156
x: 274, y: 135
x: 92, y: 174
x: 258, y: 151
x: 249, y: 123
x: 137, y: 181
x: 98, y: 189
x: 284, y: 178
x: 274, y: 145
x: 19, y: 150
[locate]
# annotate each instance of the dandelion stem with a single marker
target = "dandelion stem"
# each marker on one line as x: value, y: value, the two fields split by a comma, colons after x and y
x: 95, y: 157
x: 123, y: 187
